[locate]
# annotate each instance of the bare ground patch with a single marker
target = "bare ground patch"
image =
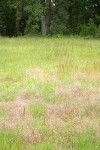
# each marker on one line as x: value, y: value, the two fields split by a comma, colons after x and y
x: 18, y: 113
x: 83, y: 75
x: 43, y: 75
x: 74, y: 114
x: 36, y: 73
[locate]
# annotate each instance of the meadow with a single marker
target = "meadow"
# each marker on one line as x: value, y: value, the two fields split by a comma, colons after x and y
x: 49, y: 93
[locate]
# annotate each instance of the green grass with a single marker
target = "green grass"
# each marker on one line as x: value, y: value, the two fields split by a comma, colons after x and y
x: 37, y: 110
x: 58, y: 81
x: 68, y: 139
x: 19, y: 57
x: 3, y: 112
x: 11, y: 140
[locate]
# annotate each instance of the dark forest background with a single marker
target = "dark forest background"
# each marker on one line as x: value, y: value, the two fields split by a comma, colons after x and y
x: 50, y: 17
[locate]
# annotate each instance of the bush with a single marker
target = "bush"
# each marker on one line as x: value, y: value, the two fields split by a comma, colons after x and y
x: 92, y: 28
x: 98, y: 32
x: 31, y: 28
x: 89, y: 30
x: 84, y: 30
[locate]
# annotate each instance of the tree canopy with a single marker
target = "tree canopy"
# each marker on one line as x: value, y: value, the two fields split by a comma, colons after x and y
x: 49, y: 17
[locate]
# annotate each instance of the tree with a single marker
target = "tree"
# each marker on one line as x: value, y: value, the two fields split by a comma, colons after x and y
x: 19, y: 17
x: 45, y: 17
x: 7, y: 18
x: 19, y: 5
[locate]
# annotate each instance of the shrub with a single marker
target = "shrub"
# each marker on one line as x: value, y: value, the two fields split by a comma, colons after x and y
x: 89, y: 30
x: 84, y: 30
x: 98, y: 32
x: 31, y: 29
x: 92, y: 28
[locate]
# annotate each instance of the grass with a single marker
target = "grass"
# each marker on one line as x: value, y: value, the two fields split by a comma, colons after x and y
x: 37, y: 110
x: 3, y: 112
x: 55, y: 83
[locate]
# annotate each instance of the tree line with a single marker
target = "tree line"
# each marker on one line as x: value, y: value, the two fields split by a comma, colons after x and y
x: 49, y: 17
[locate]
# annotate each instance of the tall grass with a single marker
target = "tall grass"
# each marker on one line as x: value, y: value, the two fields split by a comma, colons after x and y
x: 51, y: 56
x: 58, y: 82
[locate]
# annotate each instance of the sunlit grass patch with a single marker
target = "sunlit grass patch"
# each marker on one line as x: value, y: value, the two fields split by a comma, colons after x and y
x: 45, y: 146
x: 27, y: 88
x: 57, y: 140
x: 37, y: 110
x: 57, y: 82
x: 3, y: 112
x: 36, y: 58
x: 8, y: 91
x: 10, y: 140
x: 47, y: 89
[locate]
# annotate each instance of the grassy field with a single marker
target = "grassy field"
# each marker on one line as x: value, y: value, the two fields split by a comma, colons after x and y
x: 49, y: 93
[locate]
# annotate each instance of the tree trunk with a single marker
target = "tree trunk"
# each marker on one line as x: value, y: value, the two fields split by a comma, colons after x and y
x: 18, y: 20
x: 43, y: 26
x: 46, y: 19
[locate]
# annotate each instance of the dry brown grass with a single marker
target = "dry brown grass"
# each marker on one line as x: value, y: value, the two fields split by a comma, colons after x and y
x: 17, y: 115
x: 80, y: 109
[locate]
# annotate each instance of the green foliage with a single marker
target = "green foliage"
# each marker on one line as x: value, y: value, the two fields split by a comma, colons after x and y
x: 92, y: 28
x: 21, y: 17
x: 89, y: 30
x: 31, y: 29
x: 34, y: 10
x: 98, y: 32
x: 7, y: 18
x: 84, y: 30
